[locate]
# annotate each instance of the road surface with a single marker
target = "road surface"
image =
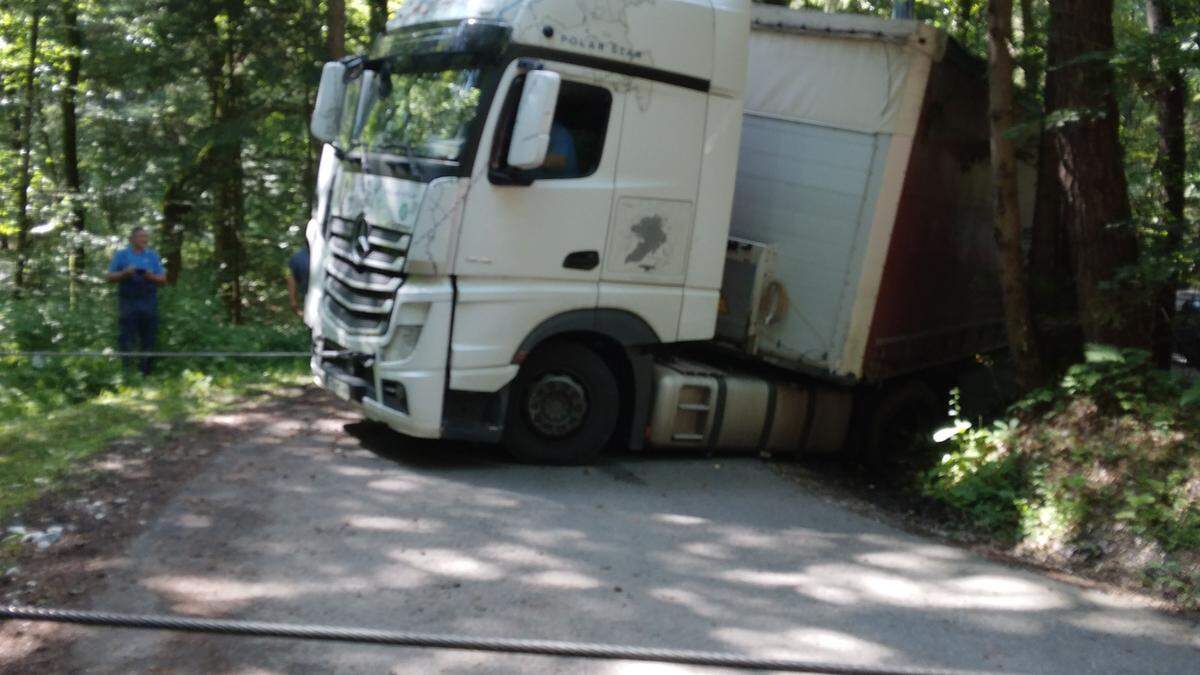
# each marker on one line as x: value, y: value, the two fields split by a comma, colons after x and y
x: 313, y: 516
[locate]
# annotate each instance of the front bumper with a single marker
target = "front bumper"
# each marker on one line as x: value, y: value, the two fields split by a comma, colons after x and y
x: 408, y: 401
x: 398, y: 378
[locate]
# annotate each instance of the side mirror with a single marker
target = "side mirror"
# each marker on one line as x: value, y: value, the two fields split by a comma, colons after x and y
x: 535, y: 115
x: 327, y: 113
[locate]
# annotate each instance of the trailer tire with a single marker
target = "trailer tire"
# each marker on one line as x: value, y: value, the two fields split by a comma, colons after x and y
x: 564, y: 406
x: 899, y: 425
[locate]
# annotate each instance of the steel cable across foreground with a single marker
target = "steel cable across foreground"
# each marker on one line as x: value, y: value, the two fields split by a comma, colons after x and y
x: 435, y: 641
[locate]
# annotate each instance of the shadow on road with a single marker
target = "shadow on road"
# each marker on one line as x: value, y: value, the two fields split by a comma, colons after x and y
x: 318, y: 518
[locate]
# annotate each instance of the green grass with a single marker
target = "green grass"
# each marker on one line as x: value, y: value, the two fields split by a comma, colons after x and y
x: 39, y: 445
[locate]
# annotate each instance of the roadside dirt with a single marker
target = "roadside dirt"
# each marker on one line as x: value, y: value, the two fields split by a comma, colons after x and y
x: 102, y: 505
x: 883, y: 500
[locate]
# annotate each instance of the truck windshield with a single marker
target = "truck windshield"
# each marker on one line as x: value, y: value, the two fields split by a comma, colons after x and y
x: 419, y: 114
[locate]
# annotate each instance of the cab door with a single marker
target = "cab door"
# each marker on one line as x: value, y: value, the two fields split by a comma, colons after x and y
x: 531, y: 242
x: 545, y: 224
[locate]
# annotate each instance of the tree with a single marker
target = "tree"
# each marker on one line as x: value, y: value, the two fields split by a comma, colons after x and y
x: 29, y: 106
x: 1013, y: 278
x: 226, y: 90
x: 73, y: 41
x: 335, y: 39
x: 1030, y: 63
x: 1104, y: 246
x: 379, y: 17
x: 1170, y: 99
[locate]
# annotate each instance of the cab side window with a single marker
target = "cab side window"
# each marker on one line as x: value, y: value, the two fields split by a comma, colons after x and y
x: 576, y: 137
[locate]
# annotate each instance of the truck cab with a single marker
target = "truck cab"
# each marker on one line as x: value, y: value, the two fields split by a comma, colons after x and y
x: 515, y: 200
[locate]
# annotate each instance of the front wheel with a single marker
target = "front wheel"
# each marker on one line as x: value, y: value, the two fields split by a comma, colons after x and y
x: 564, y: 406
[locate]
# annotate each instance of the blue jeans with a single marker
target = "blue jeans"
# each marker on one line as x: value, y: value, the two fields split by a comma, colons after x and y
x: 137, y: 324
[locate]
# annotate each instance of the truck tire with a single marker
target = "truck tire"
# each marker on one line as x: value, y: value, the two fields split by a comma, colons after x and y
x: 900, y: 425
x: 564, y: 406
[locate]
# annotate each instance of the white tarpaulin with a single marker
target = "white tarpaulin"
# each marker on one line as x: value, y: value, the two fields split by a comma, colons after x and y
x: 853, y: 77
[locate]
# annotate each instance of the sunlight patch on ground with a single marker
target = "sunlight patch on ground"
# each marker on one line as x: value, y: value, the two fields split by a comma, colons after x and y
x: 394, y: 485
x: 695, y: 602
x: 679, y: 519
x: 811, y: 643
x: 448, y: 563
x: 564, y: 579
x: 389, y: 524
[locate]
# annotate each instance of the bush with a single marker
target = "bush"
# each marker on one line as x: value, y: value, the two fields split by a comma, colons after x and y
x: 191, y: 320
x: 1100, y: 473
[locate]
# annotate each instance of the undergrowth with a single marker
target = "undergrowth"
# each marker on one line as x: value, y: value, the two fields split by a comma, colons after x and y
x: 56, y: 412
x: 1100, y: 473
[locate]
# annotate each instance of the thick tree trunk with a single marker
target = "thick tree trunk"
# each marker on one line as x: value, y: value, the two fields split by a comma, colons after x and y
x: 26, y: 172
x: 335, y: 24
x: 379, y: 17
x: 1170, y: 98
x: 73, y: 42
x: 1090, y: 169
x: 1052, y: 282
x: 1015, y: 284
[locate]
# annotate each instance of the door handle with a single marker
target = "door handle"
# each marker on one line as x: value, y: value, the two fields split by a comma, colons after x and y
x: 582, y: 260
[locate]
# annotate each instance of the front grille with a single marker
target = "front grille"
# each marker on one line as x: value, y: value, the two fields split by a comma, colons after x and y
x: 365, y: 268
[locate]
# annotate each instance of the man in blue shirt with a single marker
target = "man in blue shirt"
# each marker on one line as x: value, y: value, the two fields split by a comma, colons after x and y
x: 138, y: 271
x: 297, y: 279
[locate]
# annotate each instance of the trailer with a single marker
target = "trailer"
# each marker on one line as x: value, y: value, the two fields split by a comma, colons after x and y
x: 703, y: 226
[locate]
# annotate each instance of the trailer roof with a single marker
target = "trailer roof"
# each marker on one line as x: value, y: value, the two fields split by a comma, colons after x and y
x: 847, y: 26
x: 846, y: 71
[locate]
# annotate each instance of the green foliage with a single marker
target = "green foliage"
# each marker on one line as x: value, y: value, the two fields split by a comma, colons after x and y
x: 40, y: 449
x: 191, y: 320
x: 56, y: 412
x: 1102, y: 470
x: 983, y: 482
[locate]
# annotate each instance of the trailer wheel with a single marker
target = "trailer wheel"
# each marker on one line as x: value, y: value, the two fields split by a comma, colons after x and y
x: 564, y: 406
x: 900, y: 425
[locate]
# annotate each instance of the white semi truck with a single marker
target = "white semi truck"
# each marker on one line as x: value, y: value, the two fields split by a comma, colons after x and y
x: 567, y: 225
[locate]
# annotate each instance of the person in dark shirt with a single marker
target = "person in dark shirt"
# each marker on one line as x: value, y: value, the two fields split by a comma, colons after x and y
x: 297, y: 279
x: 138, y: 272
x: 561, y: 158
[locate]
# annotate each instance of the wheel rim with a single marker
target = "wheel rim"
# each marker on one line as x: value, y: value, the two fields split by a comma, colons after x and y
x: 557, y: 405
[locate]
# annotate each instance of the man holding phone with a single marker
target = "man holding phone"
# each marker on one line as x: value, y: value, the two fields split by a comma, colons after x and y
x: 138, y: 271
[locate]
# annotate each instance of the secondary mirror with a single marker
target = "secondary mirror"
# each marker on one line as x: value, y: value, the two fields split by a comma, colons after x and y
x: 327, y: 113
x: 535, y: 115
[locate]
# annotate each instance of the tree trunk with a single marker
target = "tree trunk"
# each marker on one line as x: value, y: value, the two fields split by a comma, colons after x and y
x: 379, y: 17
x: 175, y: 211
x: 73, y: 42
x: 1052, y: 282
x: 335, y: 23
x: 1103, y: 242
x: 1013, y: 280
x: 1170, y: 99
x: 26, y: 174
x: 1029, y: 62
x: 226, y: 164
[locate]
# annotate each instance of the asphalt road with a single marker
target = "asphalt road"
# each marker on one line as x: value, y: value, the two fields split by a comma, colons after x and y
x: 315, y: 517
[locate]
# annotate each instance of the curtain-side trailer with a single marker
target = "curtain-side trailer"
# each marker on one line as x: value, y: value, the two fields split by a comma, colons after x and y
x: 524, y: 230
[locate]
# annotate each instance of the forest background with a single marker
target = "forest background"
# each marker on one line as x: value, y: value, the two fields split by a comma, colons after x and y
x: 190, y: 118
